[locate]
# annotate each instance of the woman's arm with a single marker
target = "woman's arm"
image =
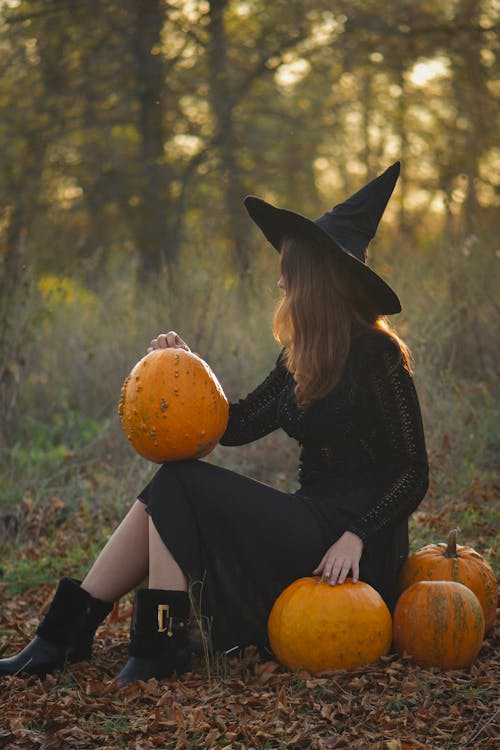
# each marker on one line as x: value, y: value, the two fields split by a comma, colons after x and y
x: 252, y: 417
x: 256, y: 415
x: 397, y: 412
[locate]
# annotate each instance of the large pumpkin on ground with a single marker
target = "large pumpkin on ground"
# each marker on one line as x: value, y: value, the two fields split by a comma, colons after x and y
x: 172, y: 406
x: 316, y: 626
x: 439, y: 624
x: 452, y: 562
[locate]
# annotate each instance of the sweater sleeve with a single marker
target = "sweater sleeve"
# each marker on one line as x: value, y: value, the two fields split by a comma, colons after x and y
x: 256, y: 415
x: 394, y: 400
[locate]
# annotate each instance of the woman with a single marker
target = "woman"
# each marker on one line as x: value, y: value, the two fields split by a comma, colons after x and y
x: 342, y: 387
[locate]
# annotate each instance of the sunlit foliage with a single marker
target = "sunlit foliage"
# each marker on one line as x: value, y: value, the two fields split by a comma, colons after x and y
x: 130, y: 135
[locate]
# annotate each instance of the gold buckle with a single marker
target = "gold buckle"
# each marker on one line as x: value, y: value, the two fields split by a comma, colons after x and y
x: 164, y: 611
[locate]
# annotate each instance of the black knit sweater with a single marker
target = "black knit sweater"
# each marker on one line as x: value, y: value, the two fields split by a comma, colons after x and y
x: 369, y: 425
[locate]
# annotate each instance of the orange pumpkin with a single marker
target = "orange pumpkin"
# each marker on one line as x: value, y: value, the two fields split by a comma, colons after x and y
x: 452, y: 562
x: 316, y: 626
x: 439, y: 624
x: 172, y: 406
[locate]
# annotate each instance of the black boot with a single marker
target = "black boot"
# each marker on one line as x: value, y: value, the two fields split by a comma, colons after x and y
x: 158, y: 636
x: 64, y: 635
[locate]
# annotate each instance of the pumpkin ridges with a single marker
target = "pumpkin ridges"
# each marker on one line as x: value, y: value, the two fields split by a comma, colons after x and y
x: 439, y: 623
x: 322, y: 610
x: 463, y: 565
x: 276, y: 621
x: 317, y: 626
x: 289, y: 623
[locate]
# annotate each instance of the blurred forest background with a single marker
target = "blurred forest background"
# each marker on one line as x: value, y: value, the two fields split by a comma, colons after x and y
x: 130, y: 132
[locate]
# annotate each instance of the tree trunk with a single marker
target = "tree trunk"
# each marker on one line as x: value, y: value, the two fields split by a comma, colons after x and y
x: 222, y: 108
x: 404, y: 225
x: 150, y: 224
x: 470, y: 92
x: 11, y: 324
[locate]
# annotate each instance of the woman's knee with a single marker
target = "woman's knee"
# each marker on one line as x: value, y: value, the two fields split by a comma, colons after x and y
x: 188, y: 473
x: 176, y: 469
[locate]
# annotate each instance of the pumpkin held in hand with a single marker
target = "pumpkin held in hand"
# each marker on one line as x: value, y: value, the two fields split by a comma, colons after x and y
x: 439, y: 624
x: 172, y: 406
x: 316, y: 626
x: 452, y: 562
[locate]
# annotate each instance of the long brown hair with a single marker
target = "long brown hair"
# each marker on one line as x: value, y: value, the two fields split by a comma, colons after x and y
x: 323, y: 307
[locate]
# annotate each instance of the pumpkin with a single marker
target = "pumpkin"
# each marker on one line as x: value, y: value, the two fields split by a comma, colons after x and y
x: 172, y: 406
x: 452, y: 562
x: 316, y: 626
x: 439, y: 624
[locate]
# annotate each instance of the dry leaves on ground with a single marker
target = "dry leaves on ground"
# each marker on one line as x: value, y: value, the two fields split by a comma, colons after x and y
x: 392, y: 705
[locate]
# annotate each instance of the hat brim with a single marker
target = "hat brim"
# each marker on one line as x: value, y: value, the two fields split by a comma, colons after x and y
x: 277, y: 223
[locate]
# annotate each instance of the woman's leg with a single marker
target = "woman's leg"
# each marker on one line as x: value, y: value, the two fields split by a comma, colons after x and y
x: 134, y: 550
x: 164, y: 572
x: 159, y: 643
x: 67, y: 630
x: 124, y: 561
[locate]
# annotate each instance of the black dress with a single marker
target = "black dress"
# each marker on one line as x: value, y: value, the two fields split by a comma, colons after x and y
x: 363, y: 468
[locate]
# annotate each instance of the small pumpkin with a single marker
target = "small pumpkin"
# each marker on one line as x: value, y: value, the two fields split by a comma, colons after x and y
x: 172, y: 406
x: 452, y: 562
x: 316, y: 626
x: 439, y: 624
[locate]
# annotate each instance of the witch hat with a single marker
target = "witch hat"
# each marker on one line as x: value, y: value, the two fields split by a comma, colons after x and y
x: 346, y: 230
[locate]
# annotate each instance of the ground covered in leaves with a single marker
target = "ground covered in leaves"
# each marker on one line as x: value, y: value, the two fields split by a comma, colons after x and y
x: 236, y: 703
x: 255, y: 704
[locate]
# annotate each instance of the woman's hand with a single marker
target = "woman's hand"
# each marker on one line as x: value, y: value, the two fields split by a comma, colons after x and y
x: 166, y: 340
x: 342, y: 557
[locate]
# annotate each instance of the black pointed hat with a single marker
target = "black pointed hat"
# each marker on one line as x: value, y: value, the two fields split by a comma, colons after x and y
x: 346, y: 229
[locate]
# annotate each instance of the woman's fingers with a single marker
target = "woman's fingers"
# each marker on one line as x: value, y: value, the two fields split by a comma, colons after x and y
x: 325, y: 567
x: 320, y: 567
x: 157, y: 343
x: 336, y: 570
x: 344, y: 570
x: 170, y: 340
x: 175, y: 341
x: 343, y: 556
x: 355, y: 571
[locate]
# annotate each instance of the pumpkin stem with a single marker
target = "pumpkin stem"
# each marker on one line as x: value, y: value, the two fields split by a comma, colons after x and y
x: 451, y: 549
